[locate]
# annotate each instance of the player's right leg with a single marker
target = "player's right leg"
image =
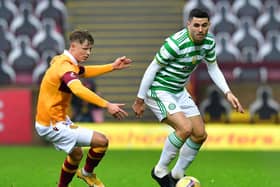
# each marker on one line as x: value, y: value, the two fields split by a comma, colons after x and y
x: 163, y: 181
x: 70, y: 166
x: 172, y: 145
x: 64, y: 138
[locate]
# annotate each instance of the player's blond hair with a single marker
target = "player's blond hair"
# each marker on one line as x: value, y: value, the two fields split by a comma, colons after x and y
x: 81, y: 36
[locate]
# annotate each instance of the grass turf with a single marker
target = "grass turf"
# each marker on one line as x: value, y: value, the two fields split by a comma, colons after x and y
x: 40, y: 167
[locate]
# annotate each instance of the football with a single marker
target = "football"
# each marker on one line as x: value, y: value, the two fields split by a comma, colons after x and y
x: 188, y: 181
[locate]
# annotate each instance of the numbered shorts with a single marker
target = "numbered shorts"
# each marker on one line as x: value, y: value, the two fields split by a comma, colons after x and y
x: 163, y: 103
x: 64, y: 135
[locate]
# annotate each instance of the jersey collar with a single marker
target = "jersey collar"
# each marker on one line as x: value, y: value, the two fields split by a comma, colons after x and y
x: 189, y: 35
x: 65, y: 52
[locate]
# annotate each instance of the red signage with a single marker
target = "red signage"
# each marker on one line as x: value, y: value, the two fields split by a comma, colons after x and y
x: 15, y: 116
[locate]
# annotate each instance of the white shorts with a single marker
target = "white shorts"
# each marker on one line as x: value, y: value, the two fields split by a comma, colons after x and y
x: 163, y: 103
x: 64, y: 135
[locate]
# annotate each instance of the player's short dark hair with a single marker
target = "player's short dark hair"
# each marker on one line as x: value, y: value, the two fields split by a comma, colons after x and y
x: 81, y: 36
x: 198, y: 13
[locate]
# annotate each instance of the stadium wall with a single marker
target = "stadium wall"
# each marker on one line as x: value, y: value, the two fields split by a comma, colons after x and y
x: 220, y: 137
x: 16, y: 116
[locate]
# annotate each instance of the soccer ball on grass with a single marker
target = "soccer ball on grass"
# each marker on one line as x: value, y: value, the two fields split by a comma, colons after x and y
x: 188, y: 181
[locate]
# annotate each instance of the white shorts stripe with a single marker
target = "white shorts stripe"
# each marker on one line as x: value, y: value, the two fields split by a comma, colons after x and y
x: 163, y: 103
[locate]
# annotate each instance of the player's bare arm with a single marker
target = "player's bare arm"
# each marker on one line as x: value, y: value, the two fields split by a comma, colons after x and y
x: 138, y: 107
x: 234, y: 102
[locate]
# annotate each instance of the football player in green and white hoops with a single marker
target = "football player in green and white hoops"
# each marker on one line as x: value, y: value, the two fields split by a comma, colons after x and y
x: 163, y: 89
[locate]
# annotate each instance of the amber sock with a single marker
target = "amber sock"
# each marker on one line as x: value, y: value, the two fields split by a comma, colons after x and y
x: 94, y: 156
x: 68, y: 171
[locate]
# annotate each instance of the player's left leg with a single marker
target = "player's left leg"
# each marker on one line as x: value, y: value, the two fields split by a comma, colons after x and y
x: 99, y: 145
x: 70, y: 166
x: 190, y: 148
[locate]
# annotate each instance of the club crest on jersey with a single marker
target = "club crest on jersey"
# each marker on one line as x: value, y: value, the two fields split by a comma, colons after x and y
x: 72, y: 74
x: 171, y: 106
x: 55, y: 129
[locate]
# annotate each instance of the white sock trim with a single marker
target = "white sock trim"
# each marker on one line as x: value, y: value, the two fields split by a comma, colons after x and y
x: 160, y: 172
x: 85, y: 173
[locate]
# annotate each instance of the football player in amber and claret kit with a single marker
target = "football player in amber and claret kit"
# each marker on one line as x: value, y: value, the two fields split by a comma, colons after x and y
x: 60, y: 81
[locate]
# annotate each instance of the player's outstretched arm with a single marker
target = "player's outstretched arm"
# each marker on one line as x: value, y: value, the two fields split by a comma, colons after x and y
x: 96, y: 70
x: 116, y: 111
x: 148, y: 77
x: 121, y: 63
x: 234, y: 102
x: 86, y: 94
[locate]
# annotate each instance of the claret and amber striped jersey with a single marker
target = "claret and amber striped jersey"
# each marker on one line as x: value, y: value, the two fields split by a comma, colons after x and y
x: 59, y: 82
x: 179, y: 56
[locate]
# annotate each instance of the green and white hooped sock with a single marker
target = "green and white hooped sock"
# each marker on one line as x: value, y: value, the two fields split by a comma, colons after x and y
x: 171, y: 147
x: 187, y: 154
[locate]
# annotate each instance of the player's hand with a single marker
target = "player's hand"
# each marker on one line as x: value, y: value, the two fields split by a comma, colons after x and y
x: 121, y: 63
x: 138, y: 107
x: 116, y: 111
x: 234, y: 102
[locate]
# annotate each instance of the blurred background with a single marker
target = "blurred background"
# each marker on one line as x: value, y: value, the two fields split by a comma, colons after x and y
x: 33, y: 31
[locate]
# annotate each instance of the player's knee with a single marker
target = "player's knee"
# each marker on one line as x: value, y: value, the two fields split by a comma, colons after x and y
x: 100, y: 140
x: 105, y: 142
x: 204, y: 137
x: 184, y: 131
x: 200, y: 138
x: 76, y: 154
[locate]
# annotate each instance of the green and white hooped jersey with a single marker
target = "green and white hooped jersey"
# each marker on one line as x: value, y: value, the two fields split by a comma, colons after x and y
x: 179, y: 57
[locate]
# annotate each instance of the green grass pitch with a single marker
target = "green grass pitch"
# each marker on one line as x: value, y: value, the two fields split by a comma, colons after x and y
x: 40, y: 166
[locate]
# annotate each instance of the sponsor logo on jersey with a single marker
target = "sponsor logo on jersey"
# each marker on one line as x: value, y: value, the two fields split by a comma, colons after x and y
x: 194, y: 59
